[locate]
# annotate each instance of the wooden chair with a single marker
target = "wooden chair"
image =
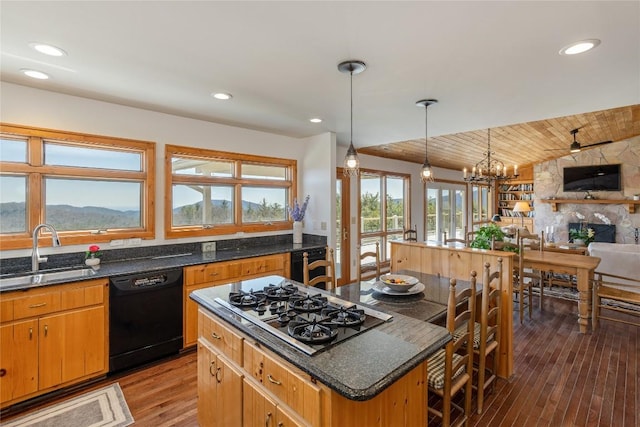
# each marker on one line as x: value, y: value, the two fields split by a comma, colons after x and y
x: 328, y: 277
x: 411, y: 235
x: 365, y: 266
x: 450, y: 369
x: 456, y: 239
x: 617, y: 289
x: 526, y: 279
x: 487, y: 340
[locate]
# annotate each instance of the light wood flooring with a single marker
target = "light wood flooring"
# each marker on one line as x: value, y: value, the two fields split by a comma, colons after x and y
x: 562, y: 378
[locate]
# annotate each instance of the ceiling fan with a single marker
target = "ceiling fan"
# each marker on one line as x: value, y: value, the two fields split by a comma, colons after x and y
x: 575, y: 146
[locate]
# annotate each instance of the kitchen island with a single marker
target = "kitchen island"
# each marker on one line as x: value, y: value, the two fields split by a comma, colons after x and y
x: 377, y: 377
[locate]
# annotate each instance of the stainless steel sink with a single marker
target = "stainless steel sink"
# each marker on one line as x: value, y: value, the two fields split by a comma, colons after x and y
x: 44, y: 277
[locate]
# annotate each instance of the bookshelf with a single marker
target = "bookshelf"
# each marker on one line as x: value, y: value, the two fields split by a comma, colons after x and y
x: 507, y: 195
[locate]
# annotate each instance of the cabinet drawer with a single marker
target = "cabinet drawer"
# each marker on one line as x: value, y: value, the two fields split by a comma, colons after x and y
x: 35, y: 305
x: 220, y: 337
x: 286, y: 382
x: 83, y: 296
x: 212, y: 272
x: 263, y: 265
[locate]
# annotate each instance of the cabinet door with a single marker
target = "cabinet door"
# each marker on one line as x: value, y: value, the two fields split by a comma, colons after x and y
x: 18, y: 359
x: 285, y: 419
x: 206, y: 385
x: 72, y: 345
x: 257, y: 408
x: 228, y: 393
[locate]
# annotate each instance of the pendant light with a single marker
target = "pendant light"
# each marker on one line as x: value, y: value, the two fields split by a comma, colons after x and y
x: 351, y: 162
x: 427, y: 172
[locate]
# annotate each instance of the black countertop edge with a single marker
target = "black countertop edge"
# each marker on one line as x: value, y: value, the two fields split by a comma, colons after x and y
x: 154, y: 264
x: 298, y: 358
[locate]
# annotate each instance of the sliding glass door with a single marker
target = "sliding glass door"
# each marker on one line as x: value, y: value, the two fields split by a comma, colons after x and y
x: 445, y: 210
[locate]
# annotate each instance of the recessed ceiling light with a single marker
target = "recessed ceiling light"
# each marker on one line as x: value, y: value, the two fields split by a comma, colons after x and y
x: 315, y: 120
x: 34, y: 74
x: 222, y: 95
x: 48, y: 49
x: 579, y: 47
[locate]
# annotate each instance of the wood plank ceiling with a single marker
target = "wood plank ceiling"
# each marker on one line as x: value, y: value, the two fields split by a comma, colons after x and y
x: 521, y: 144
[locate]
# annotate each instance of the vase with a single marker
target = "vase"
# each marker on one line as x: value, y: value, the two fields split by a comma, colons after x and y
x: 579, y: 242
x: 297, y: 231
x: 93, y: 263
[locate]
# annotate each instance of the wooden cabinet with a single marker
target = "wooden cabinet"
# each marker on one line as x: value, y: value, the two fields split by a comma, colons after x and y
x: 52, y: 337
x: 285, y: 382
x: 219, y: 388
x: 219, y: 273
x: 259, y: 409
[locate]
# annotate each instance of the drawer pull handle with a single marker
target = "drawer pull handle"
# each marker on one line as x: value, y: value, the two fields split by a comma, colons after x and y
x: 280, y: 424
x: 218, y: 376
x: 30, y: 334
x: 46, y: 330
x: 267, y: 421
x: 212, y: 365
x: 273, y: 381
x: 213, y: 274
x: 216, y: 336
x: 42, y: 304
x: 3, y: 372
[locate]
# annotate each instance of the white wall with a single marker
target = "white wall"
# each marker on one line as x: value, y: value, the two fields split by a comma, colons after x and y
x: 38, y: 108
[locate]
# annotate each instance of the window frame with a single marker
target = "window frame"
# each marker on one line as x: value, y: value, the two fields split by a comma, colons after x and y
x: 383, y: 234
x: 238, y: 159
x: 36, y: 172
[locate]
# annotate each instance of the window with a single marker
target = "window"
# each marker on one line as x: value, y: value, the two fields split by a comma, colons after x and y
x: 214, y: 192
x: 89, y: 188
x: 384, y: 210
x: 480, y: 204
x: 445, y: 210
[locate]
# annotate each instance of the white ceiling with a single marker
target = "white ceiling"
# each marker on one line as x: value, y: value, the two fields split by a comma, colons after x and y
x: 488, y: 63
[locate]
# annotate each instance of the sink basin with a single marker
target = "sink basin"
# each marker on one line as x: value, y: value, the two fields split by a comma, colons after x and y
x: 44, y: 277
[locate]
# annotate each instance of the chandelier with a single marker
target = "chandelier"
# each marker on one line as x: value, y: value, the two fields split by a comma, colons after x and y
x: 489, y: 170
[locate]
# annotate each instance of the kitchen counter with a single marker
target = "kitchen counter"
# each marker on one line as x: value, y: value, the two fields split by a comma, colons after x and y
x: 156, y: 263
x: 358, y: 368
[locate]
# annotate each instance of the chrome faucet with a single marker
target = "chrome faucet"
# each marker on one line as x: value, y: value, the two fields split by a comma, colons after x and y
x: 36, y: 259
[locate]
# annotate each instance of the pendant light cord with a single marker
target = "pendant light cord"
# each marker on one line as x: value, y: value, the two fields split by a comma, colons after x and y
x: 351, y: 79
x: 426, y: 134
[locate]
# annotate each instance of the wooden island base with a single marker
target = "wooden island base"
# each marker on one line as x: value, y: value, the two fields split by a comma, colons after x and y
x: 241, y: 383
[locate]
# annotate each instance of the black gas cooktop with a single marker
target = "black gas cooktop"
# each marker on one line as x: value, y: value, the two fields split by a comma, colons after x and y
x: 301, y: 316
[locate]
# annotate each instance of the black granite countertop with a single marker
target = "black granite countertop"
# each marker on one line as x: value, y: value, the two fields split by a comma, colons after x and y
x: 163, y: 262
x: 358, y: 368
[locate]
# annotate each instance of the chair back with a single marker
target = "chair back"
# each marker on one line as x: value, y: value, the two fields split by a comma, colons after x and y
x: 365, y: 266
x: 329, y: 276
x: 458, y: 317
x: 411, y: 235
x: 490, y: 305
x: 456, y: 239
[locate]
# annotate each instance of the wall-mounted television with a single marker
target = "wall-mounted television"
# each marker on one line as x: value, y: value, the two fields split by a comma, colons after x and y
x: 592, y: 178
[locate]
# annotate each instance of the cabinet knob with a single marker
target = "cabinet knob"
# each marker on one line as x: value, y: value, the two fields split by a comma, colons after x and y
x: 3, y: 372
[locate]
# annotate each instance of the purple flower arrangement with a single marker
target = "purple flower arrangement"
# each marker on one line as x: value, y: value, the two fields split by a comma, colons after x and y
x: 297, y: 212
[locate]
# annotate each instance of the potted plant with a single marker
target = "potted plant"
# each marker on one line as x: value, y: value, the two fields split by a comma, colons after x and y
x: 297, y: 215
x: 582, y: 235
x: 488, y: 233
x: 92, y: 257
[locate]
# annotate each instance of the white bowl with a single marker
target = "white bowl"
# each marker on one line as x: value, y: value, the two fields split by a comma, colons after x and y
x: 398, y: 282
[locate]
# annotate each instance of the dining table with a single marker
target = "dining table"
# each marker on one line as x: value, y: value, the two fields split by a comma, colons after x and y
x: 581, y: 266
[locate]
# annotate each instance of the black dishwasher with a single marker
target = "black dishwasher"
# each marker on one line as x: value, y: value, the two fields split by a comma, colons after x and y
x: 145, y: 318
x: 297, y: 263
